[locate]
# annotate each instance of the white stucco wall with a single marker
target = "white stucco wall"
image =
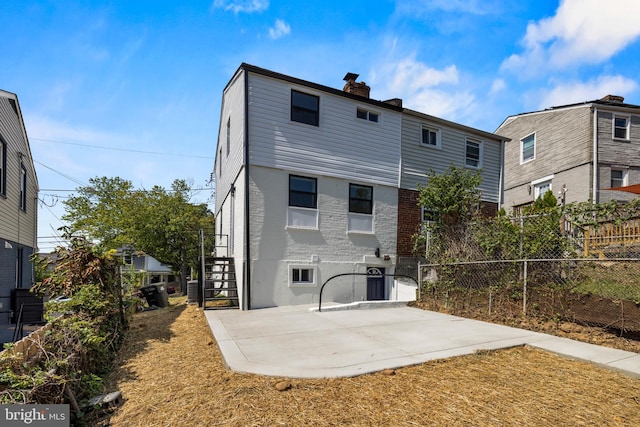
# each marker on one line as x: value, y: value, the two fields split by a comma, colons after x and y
x: 330, y: 249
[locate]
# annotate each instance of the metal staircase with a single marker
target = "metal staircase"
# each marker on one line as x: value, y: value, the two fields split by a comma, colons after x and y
x: 219, y: 287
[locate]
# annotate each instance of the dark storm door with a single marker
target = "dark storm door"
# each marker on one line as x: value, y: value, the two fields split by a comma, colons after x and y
x: 375, y: 284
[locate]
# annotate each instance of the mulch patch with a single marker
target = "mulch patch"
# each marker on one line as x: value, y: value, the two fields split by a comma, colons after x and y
x: 171, y: 373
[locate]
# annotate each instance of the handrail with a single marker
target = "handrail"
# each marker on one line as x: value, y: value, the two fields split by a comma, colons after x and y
x: 359, y: 274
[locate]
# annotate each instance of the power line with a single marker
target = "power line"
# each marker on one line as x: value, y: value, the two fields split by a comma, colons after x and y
x: 122, y: 149
x: 60, y: 173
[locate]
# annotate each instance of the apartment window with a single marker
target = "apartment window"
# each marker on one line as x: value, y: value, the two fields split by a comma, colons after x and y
x: 305, y: 108
x: 473, y: 157
x: 431, y: 137
x: 618, y: 178
x: 228, y: 136
x: 360, y: 199
x: 302, y: 275
x: 621, y: 127
x: 363, y: 114
x: 3, y: 168
x: 528, y: 148
x: 302, y: 192
x: 23, y: 188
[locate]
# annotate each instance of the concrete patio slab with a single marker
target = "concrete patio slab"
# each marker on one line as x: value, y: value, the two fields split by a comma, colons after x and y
x: 300, y: 342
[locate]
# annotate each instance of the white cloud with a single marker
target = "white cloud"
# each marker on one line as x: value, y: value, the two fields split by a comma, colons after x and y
x: 581, y: 32
x: 280, y: 29
x: 246, y: 6
x: 497, y: 86
x: 573, y: 92
x: 421, y: 87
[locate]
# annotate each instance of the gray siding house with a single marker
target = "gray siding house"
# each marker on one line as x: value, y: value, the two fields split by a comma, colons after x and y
x: 581, y: 152
x: 18, y: 206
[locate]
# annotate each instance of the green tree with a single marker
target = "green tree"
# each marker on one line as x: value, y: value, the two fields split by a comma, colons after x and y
x: 452, y: 197
x: 164, y: 224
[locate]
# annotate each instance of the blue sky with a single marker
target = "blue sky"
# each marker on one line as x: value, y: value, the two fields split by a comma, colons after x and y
x: 133, y: 88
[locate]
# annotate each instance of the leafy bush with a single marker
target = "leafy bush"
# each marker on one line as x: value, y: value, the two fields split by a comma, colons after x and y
x: 84, y: 332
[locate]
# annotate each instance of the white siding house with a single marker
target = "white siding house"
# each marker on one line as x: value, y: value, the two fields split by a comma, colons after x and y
x: 18, y: 205
x: 307, y: 186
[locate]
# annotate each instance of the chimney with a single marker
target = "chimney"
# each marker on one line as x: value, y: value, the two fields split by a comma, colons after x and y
x: 356, y: 88
x: 613, y: 98
x: 394, y: 101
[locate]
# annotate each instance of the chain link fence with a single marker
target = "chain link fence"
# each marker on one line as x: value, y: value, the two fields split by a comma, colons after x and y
x: 537, y: 266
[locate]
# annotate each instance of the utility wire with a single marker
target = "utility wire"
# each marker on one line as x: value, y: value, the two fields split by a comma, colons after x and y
x: 122, y: 149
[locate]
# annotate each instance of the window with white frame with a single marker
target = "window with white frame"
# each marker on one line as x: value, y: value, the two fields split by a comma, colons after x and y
x: 302, y: 275
x: 430, y: 137
x: 540, y: 188
x: 473, y: 156
x: 360, y: 218
x: 365, y: 114
x: 305, y: 108
x: 528, y: 148
x: 621, y: 127
x: 303, y: 202
x: 618, y: 177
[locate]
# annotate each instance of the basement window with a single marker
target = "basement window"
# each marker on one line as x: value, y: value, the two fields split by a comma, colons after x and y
x: 302, y: 275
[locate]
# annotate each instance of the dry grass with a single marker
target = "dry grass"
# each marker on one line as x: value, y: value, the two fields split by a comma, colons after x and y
x: 171, y: 374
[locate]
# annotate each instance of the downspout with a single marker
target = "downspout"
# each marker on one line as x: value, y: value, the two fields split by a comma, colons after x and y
x: 247, y: 250
x: 594, y: 194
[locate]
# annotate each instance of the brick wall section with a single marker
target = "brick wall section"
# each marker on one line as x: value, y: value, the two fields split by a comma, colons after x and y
x: 409, y: 217
x: 408, y: 220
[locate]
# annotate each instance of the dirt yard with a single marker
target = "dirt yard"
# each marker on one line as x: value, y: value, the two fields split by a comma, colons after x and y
x: 170, y: 373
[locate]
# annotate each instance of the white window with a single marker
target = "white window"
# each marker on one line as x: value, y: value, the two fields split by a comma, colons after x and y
x: 360, y: 218
x: 621, y: 127
x: 302, y: 275
x: 618, y: 178
x: 473, y: 156
x: 528, y: 148
x: 364, y: 114
x: 303, y: 202
x: 430, y: 137
x: 541, y: 186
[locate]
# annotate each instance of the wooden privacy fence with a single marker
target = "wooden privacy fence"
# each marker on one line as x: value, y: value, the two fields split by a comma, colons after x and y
x: 609, y: 237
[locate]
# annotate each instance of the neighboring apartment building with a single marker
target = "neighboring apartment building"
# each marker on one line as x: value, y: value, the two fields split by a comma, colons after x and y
x: 580, y: 151
x: 18, y: 205
x: 307, y: 185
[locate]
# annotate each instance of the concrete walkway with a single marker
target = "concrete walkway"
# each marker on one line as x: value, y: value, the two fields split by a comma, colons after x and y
x: 298, y: 342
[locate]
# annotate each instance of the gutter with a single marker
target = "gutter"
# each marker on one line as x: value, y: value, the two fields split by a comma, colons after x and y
x: 247, y: 250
